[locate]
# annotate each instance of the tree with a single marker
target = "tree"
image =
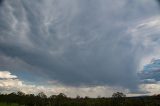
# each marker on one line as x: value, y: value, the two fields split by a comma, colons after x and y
x: 60, y: 99
x: 118, y: 99
x: 42, y: 95
x: 21, y: 97
x: 61, y: 95
x: 20, y: 93
x: 118, y: 95
x: 42, y: 99
x: 78, y: 97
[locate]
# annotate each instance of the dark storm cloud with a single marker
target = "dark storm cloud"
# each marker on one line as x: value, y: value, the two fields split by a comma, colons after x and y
x: 1, y: 1
x: 76, y: 42
x: 158, y: 1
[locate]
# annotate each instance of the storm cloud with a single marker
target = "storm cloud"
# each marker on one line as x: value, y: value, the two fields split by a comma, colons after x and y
x: 76, y: 42
x: 1, y: 1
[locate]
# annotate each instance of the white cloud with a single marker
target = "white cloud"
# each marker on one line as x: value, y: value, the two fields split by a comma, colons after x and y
x: 151, y: 88
x: 6, y: 74
x: 13, y: 85
x: 8, y: 85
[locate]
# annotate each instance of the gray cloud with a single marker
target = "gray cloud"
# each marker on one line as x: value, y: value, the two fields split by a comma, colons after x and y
x: 1, y: 1
x: 158, y: 1
x: 76, y: 42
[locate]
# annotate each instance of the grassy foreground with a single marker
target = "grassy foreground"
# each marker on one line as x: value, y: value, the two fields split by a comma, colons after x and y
x: 5, y: 104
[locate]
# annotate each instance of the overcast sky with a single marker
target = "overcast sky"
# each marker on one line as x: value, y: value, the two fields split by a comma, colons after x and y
x: 80, y: 47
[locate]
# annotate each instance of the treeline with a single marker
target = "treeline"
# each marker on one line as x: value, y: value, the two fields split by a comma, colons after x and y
x: 118, y: 99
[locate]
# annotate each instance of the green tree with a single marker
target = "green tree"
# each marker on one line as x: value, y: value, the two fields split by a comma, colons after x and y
x: 118, y: 95
x: 42, y: 95
x: 41, y: 99
x: 118, y: 99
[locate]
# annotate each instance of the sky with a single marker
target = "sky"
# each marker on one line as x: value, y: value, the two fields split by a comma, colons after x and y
x: 80, y: 47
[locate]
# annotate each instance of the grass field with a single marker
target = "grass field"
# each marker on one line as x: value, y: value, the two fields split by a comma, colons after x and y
x: 4, y: 104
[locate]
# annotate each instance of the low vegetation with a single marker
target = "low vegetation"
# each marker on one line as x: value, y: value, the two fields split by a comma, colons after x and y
x: 11, y: 104
x: 118, y: 99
